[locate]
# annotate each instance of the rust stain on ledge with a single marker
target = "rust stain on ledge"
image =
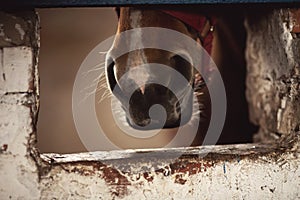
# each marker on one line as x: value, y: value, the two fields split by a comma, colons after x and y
x: 148, y: 177
x: 114, y: 178
x: 190, y: 168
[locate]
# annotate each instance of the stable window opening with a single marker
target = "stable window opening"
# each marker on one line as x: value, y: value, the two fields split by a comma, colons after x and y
x: 69, y: 34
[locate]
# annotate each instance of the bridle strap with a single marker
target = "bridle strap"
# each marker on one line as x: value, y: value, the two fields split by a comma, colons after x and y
x: 203, y: 25
x: 206, y: 36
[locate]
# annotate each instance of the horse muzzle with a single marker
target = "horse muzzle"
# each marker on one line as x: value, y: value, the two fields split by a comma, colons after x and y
x: 152, y: 105
x: 157, y: 107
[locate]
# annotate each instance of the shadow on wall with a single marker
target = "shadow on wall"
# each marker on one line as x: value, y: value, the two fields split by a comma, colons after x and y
x: 67, y: 36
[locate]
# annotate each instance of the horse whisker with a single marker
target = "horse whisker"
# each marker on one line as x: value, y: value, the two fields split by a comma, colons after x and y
x: 88, y: 88
x: 91, y: 70
x: 103, y: 96
x: 94, y: 68
x: 98, y: 79
x: 102, y: 52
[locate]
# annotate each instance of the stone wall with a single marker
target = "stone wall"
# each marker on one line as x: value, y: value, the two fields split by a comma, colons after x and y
x: 273, y: 78
x: 18, y: 105
x: 245, y: 171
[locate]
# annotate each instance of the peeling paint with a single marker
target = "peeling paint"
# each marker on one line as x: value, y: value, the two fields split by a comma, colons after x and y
x: 185, y: 178
x: 4, y: 147
x: 186, y: 172
x: 20, y: 30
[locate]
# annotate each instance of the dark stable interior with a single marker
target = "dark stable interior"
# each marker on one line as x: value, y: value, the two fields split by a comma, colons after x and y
x: 232, y: 42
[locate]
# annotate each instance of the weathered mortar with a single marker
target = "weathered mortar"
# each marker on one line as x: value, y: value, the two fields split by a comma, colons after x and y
x: 273, y: 78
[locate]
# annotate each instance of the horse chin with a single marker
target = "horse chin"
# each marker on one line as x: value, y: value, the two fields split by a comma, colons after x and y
x: 154, y: 126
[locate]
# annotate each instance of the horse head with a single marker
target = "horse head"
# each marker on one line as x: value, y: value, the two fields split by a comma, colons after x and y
x: 149, y: 94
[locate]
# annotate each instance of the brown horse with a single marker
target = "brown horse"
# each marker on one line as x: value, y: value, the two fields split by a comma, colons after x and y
x: 145, y: 96
x: 150, y: 94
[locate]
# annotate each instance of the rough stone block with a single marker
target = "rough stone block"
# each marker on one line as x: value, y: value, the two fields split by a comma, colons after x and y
x: 17, y: 70
x: 19, y: 178
x: 273, y: 78
x: 16, y: 30
x: 15, y: 128
x: 18, y: 105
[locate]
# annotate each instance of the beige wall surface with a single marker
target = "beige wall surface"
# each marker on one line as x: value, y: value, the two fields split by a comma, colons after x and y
x: 67, y: 36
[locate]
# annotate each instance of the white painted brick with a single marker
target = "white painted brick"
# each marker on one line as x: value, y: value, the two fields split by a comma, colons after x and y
x: 16, y: 70
x: 15, y: 127
x: 19, y: 178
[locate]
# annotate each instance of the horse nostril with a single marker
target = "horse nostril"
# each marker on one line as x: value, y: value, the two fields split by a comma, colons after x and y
x: 112, y: 81
x: 156, y: 105
x: 182, y: 65
x: 110, y: 73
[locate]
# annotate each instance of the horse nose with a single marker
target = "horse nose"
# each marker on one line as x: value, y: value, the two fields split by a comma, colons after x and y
x: 141, y: 103
x: 137, y: 91
x: 137, y: 101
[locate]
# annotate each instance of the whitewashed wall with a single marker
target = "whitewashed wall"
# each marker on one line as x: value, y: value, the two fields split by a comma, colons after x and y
x: 269, y: 171
x: 18, y: 105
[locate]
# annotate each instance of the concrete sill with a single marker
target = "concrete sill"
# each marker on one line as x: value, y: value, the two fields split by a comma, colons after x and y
x: 268, y: 169
x: 215, y: 151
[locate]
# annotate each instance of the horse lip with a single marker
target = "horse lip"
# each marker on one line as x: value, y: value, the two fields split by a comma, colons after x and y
x: 153, y: 126
x: 182, y: 111
x: 154, y: 123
